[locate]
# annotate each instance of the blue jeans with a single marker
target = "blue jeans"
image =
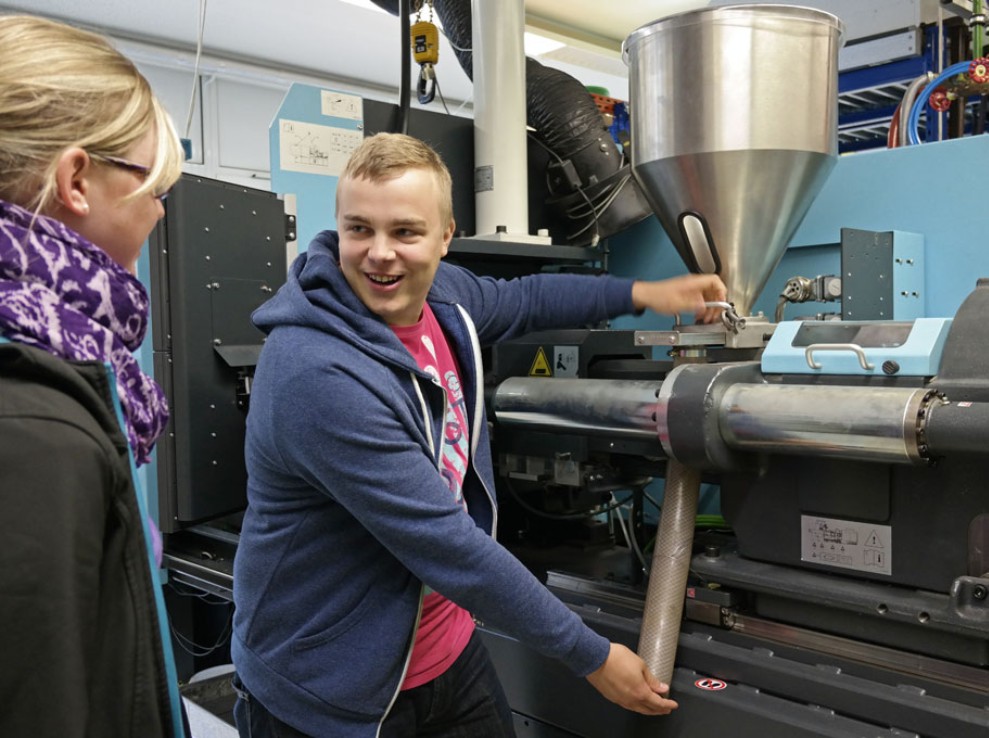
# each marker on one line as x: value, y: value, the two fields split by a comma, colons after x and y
x: 467, y: 701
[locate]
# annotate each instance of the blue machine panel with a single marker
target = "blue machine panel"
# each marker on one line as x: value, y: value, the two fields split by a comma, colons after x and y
x: 883, y: 348
x: 313, y: 134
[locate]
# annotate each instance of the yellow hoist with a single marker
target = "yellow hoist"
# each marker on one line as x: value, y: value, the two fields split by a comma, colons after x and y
x: 426, y: 52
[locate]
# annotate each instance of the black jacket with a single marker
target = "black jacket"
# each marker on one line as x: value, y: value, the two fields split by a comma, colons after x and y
x: 81, y: 651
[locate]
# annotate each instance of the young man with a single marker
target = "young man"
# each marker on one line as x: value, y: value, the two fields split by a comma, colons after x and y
x: 369, y: 540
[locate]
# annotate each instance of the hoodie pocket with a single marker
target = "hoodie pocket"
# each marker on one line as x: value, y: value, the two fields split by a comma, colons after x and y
x: 353, y: 666
x: 341, y: 626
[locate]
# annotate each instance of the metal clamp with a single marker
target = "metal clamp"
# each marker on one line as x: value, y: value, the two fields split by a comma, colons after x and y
x: 853, y: 347
x: 729, y: 317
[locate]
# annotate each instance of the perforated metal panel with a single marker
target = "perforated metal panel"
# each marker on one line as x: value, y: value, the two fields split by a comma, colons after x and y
x: 218, y: 254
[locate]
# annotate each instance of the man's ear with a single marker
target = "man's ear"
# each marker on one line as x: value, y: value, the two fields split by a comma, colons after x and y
x: 72, y: 172
x: 448, y: 235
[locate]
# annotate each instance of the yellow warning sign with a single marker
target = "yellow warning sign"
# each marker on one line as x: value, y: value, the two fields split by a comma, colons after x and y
x: 540, y: 365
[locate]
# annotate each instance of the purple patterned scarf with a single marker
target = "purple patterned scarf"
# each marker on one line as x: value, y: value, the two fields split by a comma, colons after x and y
x: 63, y: 294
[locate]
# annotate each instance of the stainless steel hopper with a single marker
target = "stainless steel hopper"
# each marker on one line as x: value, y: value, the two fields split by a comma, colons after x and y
x: 733, y: 131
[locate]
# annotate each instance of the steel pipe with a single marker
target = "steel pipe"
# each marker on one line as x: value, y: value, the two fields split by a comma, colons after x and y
x: 866, y: 423
x: 606, y: 407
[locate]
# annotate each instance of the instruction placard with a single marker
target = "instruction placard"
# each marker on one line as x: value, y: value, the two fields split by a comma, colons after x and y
x: 315, y: 149
x: 847, y: 544
x: 341, y: 105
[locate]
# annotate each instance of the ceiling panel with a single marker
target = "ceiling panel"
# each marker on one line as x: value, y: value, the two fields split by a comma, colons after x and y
x: 355, y: 44
x: 597, y: 23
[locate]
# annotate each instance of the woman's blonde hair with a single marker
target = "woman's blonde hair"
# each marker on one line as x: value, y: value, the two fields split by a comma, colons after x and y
x: 62, y: 87
x: 388, y: 155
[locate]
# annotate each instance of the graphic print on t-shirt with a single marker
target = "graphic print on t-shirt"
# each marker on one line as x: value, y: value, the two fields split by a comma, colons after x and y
x: 455, y: 447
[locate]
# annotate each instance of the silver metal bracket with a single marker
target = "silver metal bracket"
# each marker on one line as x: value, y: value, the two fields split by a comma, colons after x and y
x: 751, y: 332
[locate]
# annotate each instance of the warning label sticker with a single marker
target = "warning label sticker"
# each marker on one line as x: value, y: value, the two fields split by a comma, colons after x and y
x: 565, y: 361
x: 540, y: 365
x: 710, y: 685
x: 847, y: 544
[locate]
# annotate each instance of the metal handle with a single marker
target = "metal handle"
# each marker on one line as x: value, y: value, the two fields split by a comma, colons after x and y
x: 853, y: 347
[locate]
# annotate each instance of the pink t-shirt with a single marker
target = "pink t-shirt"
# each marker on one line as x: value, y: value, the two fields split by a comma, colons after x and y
x: 444, y: 628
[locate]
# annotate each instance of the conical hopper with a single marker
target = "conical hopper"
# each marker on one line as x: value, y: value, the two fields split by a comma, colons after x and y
x: 734, y: 122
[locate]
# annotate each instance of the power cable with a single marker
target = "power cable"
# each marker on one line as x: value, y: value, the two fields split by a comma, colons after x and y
x: 195, y: 69
x: 629, y: 538
x: 597, y: 232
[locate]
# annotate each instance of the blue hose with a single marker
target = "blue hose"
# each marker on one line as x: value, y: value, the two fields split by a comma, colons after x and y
x: 914, y: 120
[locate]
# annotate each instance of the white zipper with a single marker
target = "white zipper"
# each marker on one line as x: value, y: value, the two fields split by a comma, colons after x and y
x: 427, y: 418
x: 478, y: 413
x: 408, y: 660
x: 422, y: 588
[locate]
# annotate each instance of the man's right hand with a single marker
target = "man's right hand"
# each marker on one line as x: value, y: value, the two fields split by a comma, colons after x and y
x: 625, y: 679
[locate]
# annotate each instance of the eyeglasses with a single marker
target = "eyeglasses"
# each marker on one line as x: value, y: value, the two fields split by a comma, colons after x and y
x: 128, y: 166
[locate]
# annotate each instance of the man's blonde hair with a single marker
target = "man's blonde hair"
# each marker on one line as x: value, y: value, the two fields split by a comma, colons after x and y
x: 62, y: 87
x: 389, y: 155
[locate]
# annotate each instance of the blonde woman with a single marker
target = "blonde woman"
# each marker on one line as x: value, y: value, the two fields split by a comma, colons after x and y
x: 86, y: 156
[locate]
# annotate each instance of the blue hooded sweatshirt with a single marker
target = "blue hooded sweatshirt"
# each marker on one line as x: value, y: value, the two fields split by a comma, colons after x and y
x: 349, y: 516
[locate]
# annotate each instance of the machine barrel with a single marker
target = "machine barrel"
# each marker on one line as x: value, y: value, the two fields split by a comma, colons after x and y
x: 879, y: 424
x: 865, y: 423
x: 605, y: 407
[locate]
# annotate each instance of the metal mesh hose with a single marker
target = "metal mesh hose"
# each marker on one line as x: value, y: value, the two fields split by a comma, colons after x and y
x: 668, y: 575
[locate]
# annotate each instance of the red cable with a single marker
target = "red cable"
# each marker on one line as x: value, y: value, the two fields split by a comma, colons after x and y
x: 893, y: 137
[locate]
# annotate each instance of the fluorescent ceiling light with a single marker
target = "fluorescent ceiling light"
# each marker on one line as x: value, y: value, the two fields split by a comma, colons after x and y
x: 366, y: 4
x: 536, y: 45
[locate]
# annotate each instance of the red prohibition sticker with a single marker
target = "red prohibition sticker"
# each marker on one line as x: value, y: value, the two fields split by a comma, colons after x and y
x: 710, y: 685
